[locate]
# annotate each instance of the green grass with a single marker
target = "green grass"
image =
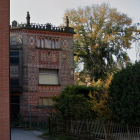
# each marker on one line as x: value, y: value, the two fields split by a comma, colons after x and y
x: 58, y: 136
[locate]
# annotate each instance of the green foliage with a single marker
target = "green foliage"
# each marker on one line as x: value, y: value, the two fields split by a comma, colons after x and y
x: 124, y: 94
x: 75, y: 107
x: 102, y: 38
x: 73, y: 103
x: 78, y: 102
x: 79, y: 89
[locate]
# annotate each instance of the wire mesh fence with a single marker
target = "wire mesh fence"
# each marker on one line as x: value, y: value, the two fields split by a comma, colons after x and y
x: 29, y: 116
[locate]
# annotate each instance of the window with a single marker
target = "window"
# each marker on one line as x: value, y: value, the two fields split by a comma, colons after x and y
x: 14, y: 57
x: 42, y: 43
x: 56, y: 43
x: 53, y: 44
x: 14, y: 82
x: 48, y: 76
x: 45, y: 102
x: 48, y: 42
x: 39, y: 42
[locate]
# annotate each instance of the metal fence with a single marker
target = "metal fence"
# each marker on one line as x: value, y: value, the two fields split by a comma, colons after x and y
x: 29, y: 116
x: 99, y: 129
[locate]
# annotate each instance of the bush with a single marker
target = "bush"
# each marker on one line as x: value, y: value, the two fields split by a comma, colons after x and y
x: 75, y: 107
x: 80, y: 89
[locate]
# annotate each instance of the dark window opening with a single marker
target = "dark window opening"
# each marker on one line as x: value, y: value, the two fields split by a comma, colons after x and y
x: 14, y: 53
x: 14, y: 82
x: 14, y: 57
x: 14, y: 60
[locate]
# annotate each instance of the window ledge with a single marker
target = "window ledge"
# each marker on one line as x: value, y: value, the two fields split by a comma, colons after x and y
x: 49, y: 85
x: 44, y: 106
x: 59, y: 49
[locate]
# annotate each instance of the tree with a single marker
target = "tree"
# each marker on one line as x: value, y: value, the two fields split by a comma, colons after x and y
x: 99, y: 98
x: 102, y: 37
x: 124, y: 94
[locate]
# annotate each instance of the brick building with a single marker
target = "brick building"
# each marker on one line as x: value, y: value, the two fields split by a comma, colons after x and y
x: 41, y: 62
x: 4, y: 71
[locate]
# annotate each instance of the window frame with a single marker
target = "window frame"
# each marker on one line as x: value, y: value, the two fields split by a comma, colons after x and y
x: 14, y: 85
x: 50, y: 102
x: 49, y: 76
x: 14, y: 56
x: 42, y: 42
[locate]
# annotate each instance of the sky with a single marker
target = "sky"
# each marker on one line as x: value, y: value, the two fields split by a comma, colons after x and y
x: 52, y: 11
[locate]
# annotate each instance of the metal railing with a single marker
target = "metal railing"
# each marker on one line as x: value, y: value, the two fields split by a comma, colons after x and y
x: 29, y: 116
x: 99, y: 129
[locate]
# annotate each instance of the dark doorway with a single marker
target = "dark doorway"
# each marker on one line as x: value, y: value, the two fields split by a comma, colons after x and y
x: 15, y: 108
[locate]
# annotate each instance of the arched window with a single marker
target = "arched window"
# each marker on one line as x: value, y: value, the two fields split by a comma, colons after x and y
x: 53, y: 43
x: 42, y: 43
x: 39, y: 43
x: 56, y: 44
x: 47, y: 42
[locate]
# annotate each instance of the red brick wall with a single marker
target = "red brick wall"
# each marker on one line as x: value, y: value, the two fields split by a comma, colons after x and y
x: 4, y: 71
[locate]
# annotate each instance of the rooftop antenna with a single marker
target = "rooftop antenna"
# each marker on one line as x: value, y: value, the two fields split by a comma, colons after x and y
x: 67, y: 21
x: 28, y: 19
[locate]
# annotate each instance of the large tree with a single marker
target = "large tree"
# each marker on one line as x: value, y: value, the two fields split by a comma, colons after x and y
x: 102, y: 38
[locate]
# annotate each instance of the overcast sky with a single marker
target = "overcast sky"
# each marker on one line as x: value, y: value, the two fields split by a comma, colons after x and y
x: 52, y: 11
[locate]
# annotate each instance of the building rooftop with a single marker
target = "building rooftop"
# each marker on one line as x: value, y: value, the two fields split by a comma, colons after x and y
x: 43, y: 27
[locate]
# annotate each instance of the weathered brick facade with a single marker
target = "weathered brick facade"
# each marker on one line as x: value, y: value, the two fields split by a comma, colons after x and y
x: 4, y: 71
x: 41, y: 47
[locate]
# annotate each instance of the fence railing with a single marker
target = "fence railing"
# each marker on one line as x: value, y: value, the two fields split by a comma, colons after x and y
x: 29, y: 116
x: 99, y: 129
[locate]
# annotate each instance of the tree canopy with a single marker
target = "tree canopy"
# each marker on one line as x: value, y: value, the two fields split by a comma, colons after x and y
x: 102, y: 37
x: 124, y: 94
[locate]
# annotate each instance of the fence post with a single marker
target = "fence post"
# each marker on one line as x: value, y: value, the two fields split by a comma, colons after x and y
x: 49, y: 126
x: 105, y: 131
x: 71, y: 127
x: 129, y: 137
x: 57, y: 126
x: 46, y: 117
x: 38, y: 117
x: 87, y: 127
x: 20, y: 114
x: 30, y: 116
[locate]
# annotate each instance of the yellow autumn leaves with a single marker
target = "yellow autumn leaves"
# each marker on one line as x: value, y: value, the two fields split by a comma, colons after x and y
x: 99, y: 98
